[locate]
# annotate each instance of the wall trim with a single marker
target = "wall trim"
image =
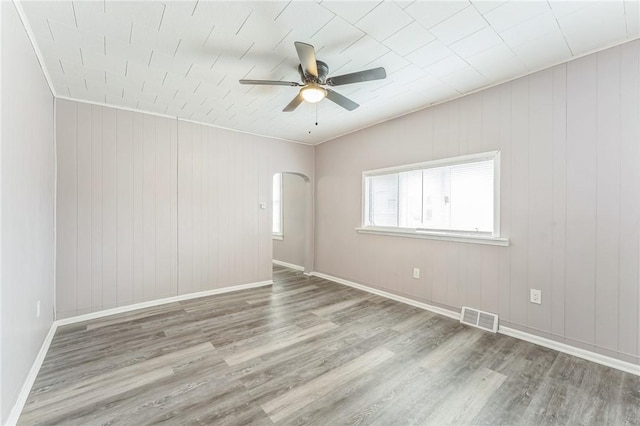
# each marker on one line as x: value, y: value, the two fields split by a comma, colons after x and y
x: 32, y: 39
x: 288, y: 265
x: 158, y: 302
x: 159, y: 114
x: 401, y: 299
x: 16, y: 411
x: 14, y: 415
x: 607, y: 361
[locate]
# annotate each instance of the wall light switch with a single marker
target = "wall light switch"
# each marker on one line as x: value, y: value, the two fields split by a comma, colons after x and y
x: 416, y: 272
x: 263, y: 206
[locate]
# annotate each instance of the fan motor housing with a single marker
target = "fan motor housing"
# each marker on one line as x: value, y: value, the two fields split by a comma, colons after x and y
x: 323, y: 71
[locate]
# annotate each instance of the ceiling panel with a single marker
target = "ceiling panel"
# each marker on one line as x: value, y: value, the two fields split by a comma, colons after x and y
x: 588, y: 27
x: 497, y: 62
x: 384, y: 20
x: 459, y: 26
x: 542, y: 51
x: 531, y: 29
x: 185, y: 58
x: 513, y: 13
x: 476, y: 42
x: 409, y: 38
x: 351, y: 11
x: 430, y: 54
x: 433, y: 13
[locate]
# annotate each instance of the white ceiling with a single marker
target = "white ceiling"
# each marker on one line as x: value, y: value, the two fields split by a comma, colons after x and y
x: 184, y: 58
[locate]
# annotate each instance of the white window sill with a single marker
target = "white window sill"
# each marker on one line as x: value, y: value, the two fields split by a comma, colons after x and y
x: 277, y: 237
x: 442, y: 236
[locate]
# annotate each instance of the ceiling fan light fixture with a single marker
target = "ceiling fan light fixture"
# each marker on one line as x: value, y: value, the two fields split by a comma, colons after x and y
x: 313, y: 93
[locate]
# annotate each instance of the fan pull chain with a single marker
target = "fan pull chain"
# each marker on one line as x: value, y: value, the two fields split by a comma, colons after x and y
x: 316, y: 116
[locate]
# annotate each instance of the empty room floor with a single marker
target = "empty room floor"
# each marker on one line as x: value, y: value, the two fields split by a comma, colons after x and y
x: 309, y: 351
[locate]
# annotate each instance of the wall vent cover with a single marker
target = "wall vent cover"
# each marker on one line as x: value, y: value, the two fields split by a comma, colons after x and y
x: 484, y: 320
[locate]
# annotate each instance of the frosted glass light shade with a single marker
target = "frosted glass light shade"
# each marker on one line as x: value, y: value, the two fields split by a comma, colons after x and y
x: 313, y: 93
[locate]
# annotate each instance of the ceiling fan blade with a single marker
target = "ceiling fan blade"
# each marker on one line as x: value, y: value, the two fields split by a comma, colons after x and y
x: 307, y: 55
x: 294, y: 103
x: 270, y: 82
x: 358, y: 77
x: 341, y: 100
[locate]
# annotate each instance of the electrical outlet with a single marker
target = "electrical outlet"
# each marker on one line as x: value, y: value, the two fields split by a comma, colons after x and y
x: 416, y: 273
x: 535, y: 296
x: 38, y: 309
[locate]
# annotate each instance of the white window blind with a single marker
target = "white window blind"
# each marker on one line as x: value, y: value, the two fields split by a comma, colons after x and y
x: 455, y: 195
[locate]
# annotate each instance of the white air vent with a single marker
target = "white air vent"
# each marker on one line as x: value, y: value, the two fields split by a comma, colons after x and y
x: 484, y: 320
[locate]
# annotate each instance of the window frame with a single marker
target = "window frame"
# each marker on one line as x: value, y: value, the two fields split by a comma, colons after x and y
x: 494, y: 238
x: 278, y: 235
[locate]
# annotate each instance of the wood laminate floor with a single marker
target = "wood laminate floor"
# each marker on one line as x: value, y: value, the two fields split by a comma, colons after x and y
x: 309, y: 351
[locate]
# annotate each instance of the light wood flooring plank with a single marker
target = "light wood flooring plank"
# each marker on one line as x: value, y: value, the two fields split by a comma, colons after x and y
x: 301, y: 396
x: 306, y: 351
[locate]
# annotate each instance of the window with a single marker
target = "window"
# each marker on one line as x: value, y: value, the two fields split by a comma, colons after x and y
x: 455, y: 198
x: 277, y: 206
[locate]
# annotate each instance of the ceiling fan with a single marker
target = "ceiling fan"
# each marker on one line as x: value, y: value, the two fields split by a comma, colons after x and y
x: 313, y: 74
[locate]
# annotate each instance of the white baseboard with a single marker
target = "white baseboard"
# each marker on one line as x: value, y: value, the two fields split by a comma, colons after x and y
x: 14, y: 415
x: 405, y: 300
x: 288, y: 265
x: 627, y: 367
x: 158, y: 302
x: 608, y: 361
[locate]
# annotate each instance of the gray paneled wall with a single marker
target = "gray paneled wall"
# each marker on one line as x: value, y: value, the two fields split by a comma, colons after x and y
x: 570, y: 203
x: 219, y: 215
x: 27, y: 198
x: 117, y: 198
x: 150, y: 208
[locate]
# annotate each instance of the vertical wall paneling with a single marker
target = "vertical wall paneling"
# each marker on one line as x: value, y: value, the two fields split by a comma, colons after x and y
x: 138, y: 208
x: 164, y: 208
x: 559, y: 197
x: 223, y: 177
x: 607, y: 277
x: 213, y: 210
x: 124, y: 207
x: 629, y: 290
x: 109, y: 208
x: 149, y: 138
x: 222, y: 181
x: 265, y: 188
x: 474, y: 143
x: 96, y: 208
x: 490, y: 278
x: 519, y: 220
x: 27, y: 216
x: 463, y: 123
x: 67, y: 211
x: 173, y: 205
x: 570, y: 203
x: 504, y: 134
x: 116, y: 201
x: 453, y: 137
x: 581, y: 199
x: 540, y: 151
x: 185, y: 215
x: 150, y: 207
x: 83, y: 208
